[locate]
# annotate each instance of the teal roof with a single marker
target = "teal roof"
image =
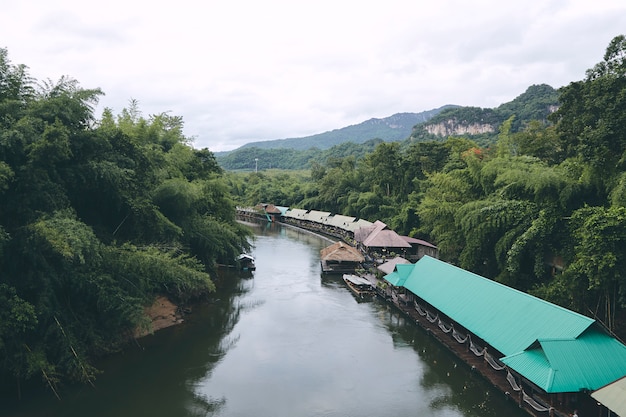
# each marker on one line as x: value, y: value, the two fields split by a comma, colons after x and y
x: 558, y: 349
x: 508, y: 319
x: 399, y: 275
x: 569, y: 365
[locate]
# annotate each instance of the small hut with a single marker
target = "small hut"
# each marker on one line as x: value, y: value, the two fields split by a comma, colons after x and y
x: 340, y: 258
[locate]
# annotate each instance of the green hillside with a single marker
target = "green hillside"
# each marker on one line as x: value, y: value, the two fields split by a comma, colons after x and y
x: 389, y: 129
x: 482, y: 124
x: 299, y: 153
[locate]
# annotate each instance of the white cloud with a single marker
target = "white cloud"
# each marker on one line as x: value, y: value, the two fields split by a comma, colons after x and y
x: 244, y: 70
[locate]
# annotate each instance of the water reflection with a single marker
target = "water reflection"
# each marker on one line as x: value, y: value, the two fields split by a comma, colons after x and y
x: 310, y: 348
x: 283, y: 341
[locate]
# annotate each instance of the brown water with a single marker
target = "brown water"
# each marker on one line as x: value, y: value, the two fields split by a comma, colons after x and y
x: 281, y: 342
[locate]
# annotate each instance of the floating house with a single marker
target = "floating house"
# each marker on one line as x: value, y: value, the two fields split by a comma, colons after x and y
x: 375, y: 238
x: 420, y: 248
x: 389, y: 266
x: 340, y: 258
x: 553, y: 357
x: 380, y: 242
x: 337, y: 225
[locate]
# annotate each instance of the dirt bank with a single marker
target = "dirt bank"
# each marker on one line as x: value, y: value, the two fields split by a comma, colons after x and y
x: 162, y: 313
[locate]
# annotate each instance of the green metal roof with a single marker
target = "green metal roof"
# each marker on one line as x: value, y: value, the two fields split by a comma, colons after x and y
x: 508, y: 319
x: 399, y: 275
x: 569, y: 365
x: 557, y: 349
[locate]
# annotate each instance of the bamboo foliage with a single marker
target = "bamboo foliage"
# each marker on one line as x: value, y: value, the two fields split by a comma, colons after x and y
x: 96, y: 220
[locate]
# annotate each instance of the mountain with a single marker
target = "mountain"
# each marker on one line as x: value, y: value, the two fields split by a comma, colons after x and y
x: 393, y: 128
x: 482, y: 124
x: 476, y: 123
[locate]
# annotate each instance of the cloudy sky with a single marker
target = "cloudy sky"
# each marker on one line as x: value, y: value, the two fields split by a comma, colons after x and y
x: 239, y: 71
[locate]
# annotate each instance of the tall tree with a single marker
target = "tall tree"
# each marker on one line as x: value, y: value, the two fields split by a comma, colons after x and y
x: 591, y: 121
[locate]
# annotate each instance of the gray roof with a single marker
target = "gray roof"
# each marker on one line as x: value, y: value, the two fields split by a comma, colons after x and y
x: 390, y: 265
x: 613, y: 396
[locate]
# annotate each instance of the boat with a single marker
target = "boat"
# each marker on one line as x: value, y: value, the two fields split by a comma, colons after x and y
x: 359, y: 285
x: 246, y: 262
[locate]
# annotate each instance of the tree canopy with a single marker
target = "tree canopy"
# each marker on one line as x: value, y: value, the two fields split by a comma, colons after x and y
x: 97, y: 218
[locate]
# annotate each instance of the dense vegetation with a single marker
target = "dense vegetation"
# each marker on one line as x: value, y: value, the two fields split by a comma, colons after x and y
x: 97, y: 218
x: 542, y: 210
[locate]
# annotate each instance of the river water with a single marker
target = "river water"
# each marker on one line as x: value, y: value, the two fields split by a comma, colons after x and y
x: 282, y: 341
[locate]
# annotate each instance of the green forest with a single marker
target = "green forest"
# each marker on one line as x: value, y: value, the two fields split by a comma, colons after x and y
x: 97, y: 218
x: 542, y: 209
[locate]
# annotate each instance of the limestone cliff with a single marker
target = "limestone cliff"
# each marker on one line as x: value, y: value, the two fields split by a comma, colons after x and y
x: 454, y: 128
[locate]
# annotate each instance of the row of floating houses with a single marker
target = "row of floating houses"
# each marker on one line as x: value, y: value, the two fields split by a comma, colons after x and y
x: 551, y: 360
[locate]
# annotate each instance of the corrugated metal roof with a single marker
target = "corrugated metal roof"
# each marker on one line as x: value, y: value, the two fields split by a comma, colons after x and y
x: 613, y: 396
x: 414, y: 241
x: 380, y: 236
x: 508, y: 319
x: 557, y: 349
x: 399, y: 275
x: 360, y: 223
x: 340, y: 221
x: 570, y: 365
x: 317, y: 216
x: 364, y: 231
x: 295, y: 213
x: 390, y: 265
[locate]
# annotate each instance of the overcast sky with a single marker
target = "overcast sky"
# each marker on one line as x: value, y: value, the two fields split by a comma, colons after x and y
x: 239, y: 71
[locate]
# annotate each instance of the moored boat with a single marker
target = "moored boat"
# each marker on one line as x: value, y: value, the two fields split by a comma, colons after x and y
x: 359, y: 285
x: 246, y: 262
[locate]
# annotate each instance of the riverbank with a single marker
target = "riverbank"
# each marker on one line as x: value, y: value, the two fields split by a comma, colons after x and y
x: 162, y: 314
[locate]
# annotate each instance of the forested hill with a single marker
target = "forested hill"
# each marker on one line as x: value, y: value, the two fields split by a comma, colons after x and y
x: 479, y: 124
x: 482, y: 124
x: 393, y: 128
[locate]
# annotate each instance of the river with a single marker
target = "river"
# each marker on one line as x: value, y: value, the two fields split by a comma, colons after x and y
x: 282, y: 341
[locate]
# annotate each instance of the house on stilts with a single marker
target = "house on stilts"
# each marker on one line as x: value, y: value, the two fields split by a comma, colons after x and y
x: 340, y: 258
x: 552, y: 358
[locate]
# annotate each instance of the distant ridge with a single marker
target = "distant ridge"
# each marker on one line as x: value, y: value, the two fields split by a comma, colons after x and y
x: 393, y: 128
x: 478, y: 124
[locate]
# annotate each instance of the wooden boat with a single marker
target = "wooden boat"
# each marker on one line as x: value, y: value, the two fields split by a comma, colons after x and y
x: 246, y: 262
x: 359, y: 285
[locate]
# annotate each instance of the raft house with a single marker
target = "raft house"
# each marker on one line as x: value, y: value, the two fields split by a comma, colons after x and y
x: 340, y: 258
x: 374, y: 239
x: 549, y: 359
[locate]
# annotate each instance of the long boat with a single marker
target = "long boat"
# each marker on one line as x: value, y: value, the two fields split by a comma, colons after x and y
x: 359, y: 285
